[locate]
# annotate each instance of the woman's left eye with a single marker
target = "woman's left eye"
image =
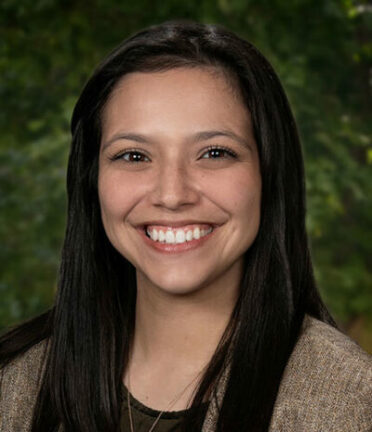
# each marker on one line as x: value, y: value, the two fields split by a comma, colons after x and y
x: 215, y: 153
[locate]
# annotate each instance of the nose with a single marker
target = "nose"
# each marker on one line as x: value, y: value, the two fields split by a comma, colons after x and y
x: 174, y: 186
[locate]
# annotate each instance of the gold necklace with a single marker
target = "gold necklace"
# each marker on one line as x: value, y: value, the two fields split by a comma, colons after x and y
x: 171, y: 403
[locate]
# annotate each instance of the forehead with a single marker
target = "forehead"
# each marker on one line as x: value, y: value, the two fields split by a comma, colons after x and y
x: 181, y: 98
x: 206, y: 76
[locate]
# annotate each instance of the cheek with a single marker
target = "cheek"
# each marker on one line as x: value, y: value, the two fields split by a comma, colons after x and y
x: 238, y: 193
x: 116, y: 195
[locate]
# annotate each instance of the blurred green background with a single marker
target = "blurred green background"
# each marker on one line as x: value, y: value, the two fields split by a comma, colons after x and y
x: 322, y: 52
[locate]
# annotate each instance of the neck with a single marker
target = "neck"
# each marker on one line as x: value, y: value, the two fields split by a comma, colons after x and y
x: 175, y: 338
x: 180, y: 329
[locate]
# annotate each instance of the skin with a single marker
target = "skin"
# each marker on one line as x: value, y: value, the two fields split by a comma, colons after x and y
x: 184, y: 300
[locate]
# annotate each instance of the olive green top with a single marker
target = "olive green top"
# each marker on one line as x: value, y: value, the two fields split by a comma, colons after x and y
x: 144, y: 417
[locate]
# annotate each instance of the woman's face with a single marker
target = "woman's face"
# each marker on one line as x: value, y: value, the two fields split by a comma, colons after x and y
x: 178, y: 155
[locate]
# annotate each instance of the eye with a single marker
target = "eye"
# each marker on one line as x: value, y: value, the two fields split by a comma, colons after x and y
x: 216, y: 151
x: 130, y: 156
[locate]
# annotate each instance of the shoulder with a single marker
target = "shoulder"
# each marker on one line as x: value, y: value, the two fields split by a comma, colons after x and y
x: 327, y: 384
x: 19, y: 385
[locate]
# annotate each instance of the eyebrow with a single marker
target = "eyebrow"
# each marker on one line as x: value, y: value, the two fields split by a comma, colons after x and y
x: 197, y: 137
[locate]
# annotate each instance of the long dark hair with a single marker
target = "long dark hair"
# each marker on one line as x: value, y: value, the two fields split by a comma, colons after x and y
x: 90, y: 327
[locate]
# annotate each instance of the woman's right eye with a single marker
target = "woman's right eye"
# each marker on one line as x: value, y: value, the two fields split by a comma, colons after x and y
x: 130, y: 156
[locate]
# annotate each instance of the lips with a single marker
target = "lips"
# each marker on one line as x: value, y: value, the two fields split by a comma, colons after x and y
x: 165, y: 225
x: 176, y: 224
x: 178, y: 235
x: 172, y: 237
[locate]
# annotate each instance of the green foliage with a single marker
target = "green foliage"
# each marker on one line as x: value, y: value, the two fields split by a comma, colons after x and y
x: 322, y: 53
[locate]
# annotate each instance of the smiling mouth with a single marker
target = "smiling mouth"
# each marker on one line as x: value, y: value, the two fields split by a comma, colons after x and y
x: 174, y: 236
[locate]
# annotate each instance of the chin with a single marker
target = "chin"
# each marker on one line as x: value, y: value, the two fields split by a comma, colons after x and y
x: 177, y: 286
x: 179, y: 289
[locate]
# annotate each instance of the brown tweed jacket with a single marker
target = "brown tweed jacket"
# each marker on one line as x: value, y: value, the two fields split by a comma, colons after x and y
x: 326, y: 387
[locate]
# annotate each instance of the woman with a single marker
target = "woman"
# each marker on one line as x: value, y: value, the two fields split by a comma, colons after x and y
x: 186, y: 296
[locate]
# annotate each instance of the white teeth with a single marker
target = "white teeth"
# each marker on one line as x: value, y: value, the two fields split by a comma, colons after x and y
x: 180, y: 236
x: 169, y: 237
x: 196, y: 233
x: 161, y: 236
